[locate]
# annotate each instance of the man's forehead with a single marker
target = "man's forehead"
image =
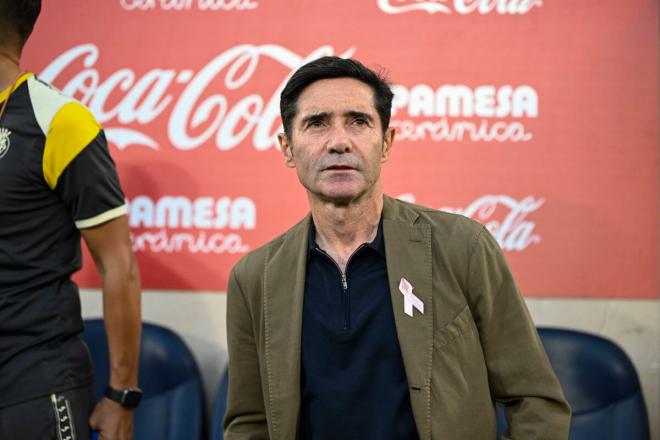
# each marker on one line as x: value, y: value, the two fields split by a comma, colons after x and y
x: 336, y: 95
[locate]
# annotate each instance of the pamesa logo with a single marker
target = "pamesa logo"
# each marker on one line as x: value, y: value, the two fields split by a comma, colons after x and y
x: 4, y: 141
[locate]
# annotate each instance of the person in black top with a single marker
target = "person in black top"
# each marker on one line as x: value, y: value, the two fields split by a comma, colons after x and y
x: 57, y: 182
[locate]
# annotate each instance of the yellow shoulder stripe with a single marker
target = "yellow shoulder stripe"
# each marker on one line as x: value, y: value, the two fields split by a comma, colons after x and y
x: 5, y: 93
x: 71, y: 130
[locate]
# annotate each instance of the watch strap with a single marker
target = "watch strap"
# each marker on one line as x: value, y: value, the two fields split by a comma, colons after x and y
x: 128, y: 397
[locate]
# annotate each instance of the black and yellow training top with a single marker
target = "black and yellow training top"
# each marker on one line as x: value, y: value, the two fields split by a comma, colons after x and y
x: 56, y: 177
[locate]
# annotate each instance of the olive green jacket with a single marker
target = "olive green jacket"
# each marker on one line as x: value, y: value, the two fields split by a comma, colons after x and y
x: 475, y: 343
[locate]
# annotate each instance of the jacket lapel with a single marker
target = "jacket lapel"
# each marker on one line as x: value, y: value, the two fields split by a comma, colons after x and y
x: 284, y: 284
x: 408, y: 253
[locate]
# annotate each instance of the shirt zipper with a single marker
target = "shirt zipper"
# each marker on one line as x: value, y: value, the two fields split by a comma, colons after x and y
x: 344, y: 285
x: 346, y: 298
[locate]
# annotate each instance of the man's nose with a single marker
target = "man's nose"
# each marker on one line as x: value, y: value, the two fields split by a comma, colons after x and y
x: 338, y: 141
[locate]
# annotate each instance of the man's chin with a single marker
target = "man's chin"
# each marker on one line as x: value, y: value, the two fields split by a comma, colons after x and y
x: 341, y: 198
x: 340, y: 194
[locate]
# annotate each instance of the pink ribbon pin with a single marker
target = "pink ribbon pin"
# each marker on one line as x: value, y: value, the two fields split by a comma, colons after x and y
x: 409, y: 298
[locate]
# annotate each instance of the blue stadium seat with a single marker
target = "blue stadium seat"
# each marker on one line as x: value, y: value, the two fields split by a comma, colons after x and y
x: 173, y: 404
x: 219, y: 408
x: 599, y: 382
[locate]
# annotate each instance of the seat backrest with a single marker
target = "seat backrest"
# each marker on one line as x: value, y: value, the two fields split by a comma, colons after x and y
x: 219, y: 408
x: 173, y: 402
x: 600, y: 383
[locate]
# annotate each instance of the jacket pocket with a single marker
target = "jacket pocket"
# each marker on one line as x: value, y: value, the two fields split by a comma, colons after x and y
x: 462, y: 323
x: 460, y: 392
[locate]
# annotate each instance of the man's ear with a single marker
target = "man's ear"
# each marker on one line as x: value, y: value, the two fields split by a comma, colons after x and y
x: 388, y: 140
x: 287, y: 150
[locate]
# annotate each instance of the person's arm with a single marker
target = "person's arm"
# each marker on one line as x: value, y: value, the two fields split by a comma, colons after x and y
x: 245, y: 418
x: 77, y: 165
x: 110, y: 246
x: 519, y: 373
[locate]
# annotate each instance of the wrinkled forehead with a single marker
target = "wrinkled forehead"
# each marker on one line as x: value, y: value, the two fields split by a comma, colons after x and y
x: 336, y: 96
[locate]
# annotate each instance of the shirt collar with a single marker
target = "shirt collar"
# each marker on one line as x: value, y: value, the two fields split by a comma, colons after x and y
x: 378, y: 244
x: 4, y: 94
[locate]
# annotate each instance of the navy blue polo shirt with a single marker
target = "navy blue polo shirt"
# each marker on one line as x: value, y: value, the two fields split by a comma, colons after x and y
x: 353, y: 382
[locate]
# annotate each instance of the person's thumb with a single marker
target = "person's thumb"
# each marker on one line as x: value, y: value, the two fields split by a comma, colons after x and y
x: 95, y: 419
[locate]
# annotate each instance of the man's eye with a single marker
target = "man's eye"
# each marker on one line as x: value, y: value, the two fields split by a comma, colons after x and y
x: 315, y: 123
x: 361, y: 121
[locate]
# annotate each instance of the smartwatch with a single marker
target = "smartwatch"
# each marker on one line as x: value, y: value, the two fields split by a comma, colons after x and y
x: 129, y: 398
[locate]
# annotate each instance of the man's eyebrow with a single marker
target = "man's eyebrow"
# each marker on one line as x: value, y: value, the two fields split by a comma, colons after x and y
x: 356, y: 114
x: 353, y: 114
x: 315, y: 117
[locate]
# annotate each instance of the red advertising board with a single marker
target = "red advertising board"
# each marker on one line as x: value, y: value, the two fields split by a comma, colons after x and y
x: 536, y: 118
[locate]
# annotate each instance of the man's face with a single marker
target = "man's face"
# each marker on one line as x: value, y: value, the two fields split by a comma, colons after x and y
x: 337, y: 144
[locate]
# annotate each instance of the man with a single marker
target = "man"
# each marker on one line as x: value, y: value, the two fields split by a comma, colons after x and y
x: 374, y: 318
x: 57, y: 181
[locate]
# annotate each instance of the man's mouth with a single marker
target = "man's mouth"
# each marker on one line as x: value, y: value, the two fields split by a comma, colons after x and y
x: 339, y: 167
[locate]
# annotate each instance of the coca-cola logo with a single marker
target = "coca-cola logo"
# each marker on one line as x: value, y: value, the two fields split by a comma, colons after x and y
x: 463, y: 7
x: 504, y: 216
x: 194, y: 116
x: 187, y: 5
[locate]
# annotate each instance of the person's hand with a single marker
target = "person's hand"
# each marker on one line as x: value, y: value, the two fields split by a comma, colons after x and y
x: 113, y: 421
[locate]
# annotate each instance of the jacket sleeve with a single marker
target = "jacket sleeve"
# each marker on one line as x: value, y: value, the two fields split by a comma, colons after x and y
x: 245, y: 418
x: 519, y: 373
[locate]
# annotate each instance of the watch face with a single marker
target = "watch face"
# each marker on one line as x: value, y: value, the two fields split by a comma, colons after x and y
x: 131, y: 398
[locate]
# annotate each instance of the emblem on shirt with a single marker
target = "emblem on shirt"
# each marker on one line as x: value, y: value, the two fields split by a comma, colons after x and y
x: 4, y: 141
